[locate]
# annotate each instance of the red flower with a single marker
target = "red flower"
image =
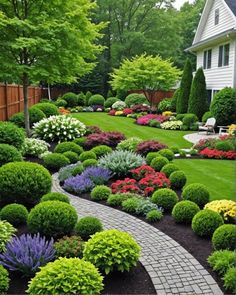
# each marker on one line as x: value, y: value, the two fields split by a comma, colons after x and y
x: 142, y: 171
x: 215, y: 154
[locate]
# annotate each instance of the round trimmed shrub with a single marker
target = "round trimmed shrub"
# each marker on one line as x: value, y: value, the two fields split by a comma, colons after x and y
x: 87, y: 155
x: 71, y: 99
x: 88, y: 226
x: 197, y: 193
x: 4, y: 280
x: 24, y: 182
x: 35, y: 115
x: 189, y: 120
x: 101, y: 150
x: 72, y: 156
x: 167, y: 154
x: 55, y: 161
x: 130, y: 205
x: 165, y: 198
x: 52, y: 218
x: 177, y: 179
x: 48, y: 109
x: 224, y: 237
x: 224, y: 146
x: 96, y: 99
x: 100, y: 192
x: 135, y: 98
x: 158, y: 162
x: 205, y: 222
x: 150, y: 156
x: 78, y: 170
x: 80, y: 141
x: 229, y: 279
x: 54, y: 196
x: 8, y: 153
x: 169, y: 168
x: 109, y: 102
x: 184, y: 211
x: 67, y: 276
x: 68, y: 146
x: 81, y: 99
x: 154, y: 215
x: 11, y: 134
x: 61, y: 103
x: 103, y: 251
x: 15, y: 214
x: 89, y: 163
x: 69, y: 247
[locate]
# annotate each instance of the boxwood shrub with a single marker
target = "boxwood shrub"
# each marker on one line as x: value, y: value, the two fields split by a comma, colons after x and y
x: 68, y: 146
x: 35, y: 115
x: 55, y: 161
x: 177, y: 179
x: 100, y: 192
x: 11, y: 134
x: 48, y: 109
x: 101, y: 150
x: 88, y: 226
x: 167, y: 153
x: 55, y: 196
x: 24, y: 182
x: 8, y: 153
x: 158, y: 162
x: 72, y: 156
x: 150, y: 156
x: 184, y: 211
x: 224, y: 237
x: 169, y: 168
x: 135, y: 98
x: 165, y: 198
x: 71, y: 99
x: 89, y: 163
x: 15, y: 214
x: 109, y: 102
x: 154, y: 215
x: 197, y: 193
x: 96, y: 99
x: 87, y: 155
x: 229, y: 279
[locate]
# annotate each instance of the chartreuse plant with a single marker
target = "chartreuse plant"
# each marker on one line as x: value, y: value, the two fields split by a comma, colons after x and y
x: 229, y: 279
x: 221, y: 260
x: 112, y: 250
x: 4, y: 280
x: 6, y: 233
x: 67, y: 276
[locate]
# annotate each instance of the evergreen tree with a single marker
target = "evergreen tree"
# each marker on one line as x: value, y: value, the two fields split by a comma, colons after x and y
x: 185, y: 86
x: 198, y: 97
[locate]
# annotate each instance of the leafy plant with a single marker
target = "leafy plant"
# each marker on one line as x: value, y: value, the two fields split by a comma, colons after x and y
x: 158, y: 162
x: 110, y: 101
x: 197, y: 193
x: 69, y: 247
x: 11, y: 134
x: 47, y: 108
x: 68, y: 171
x: 112, y: 250
x: 4, y: 280
x: 165, y: 198
x: 129, y: 144
x: 222, y: 260
x: 55, y: 161
x: 68, y: 146
x: 117, y: 199
x: 229, y: 279
x: 127, y: 185
x: 142, y: 171
x: 135, y: 98
x: 34, y: 147
x: 224, y: 237
x: 87, y: 155
x: 172, y: 125
x: 177, y: 179
x: 105, y: 138
x: 147, y: 146
x: 89, y: 163
x: 167, y: 153
x: 184, y: 211
x: 88, y: 226
x: 145, y: 206
x: 100, y: 192
x: 9, y: 153
x: 130, y: 205
x: 154, y: 215
x: 6, y: 233
x: 101, y: 150
x: 96, y: 99
x: 72, y: 156
x: 71, y: 99
x: 119, y: 105
x: 164, y: 105
x: 169, y: 168
x: 15, y: 214
x: 54, y: 196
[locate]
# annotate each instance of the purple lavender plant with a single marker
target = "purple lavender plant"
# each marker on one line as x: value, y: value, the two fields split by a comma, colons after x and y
x: 27, y: 253
x: 78, y: 184
x: 97, y: 175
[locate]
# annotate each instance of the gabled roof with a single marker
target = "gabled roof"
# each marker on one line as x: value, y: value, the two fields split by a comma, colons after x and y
x: 232, y: 5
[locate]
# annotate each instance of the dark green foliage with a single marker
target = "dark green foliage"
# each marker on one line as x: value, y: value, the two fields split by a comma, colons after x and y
x: 109, y: 102
x: 224, y: 237
x: 184, y: 211
x: 130, y: 205
x: 68, y: 146
x: 165, y: 105
x: 205, y: 222
x: 101, y: 150
x: 150, y: 156
x: 81, y: 99
x: 197, y: 193
x: 4, y: 280
x: 61, y: 103
x: 222, y: 260
x: 72, y: 156
x: 169, y: 168
x: 177, y: 179
x: 184, y: 90
x: 229, y: 279
x: 52, y: 218
x: 167, y: 153
x: 55, y: 161
x: 88, y: 226
x: 135, y: 98
x: 35, y: 115
x: 24, y: 182
x: 87, y: 155
x: 71, y: 99
x: 206, y: 116
x: 69, y: 247
x: 174, y: 100
x: 15, y: 214
x: 223, y: 106
x: 224, y: 145
x: 8, y: 153
x: 174, y: 149
x: 165, y: 198
x: 80, y: 141
x: 11, y: 134
x: 78, y: 170
x: 198, y: 97
x: 87, y: 97
x: 154, y: 215
x: 96, y: 99
x: 100, y: 192
x: 189, y: 120
x: 180, y: 117
x: 47, y: 108
x: 158, y: 162
x: 89, y: 162
x: 53, y: 196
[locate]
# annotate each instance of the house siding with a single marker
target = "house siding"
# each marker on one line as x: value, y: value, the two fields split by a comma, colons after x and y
x: 226, y: 21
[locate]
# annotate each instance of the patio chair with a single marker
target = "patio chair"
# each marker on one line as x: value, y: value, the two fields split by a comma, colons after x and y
x: 209, y: 126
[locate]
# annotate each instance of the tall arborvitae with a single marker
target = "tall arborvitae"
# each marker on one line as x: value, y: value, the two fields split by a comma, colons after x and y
x: 184, y: 90
x: 198, y: 97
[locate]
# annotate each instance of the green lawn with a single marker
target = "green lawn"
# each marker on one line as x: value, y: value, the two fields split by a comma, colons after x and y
x: 130, y: 129
x: 217, y: 175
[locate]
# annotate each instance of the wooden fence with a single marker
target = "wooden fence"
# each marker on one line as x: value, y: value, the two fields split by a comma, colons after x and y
x: 12, y: 101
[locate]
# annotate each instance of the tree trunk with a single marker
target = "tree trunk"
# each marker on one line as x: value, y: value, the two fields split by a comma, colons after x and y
x: 25, y: 81
x: 49, y: 92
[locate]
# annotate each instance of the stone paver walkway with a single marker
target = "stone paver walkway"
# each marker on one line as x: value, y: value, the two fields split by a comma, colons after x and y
x: 172, y: 269
x: 195, y: 137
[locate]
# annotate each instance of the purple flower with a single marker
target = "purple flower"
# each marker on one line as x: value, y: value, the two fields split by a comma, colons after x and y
x: 27, y: 253
x: 78, y: 184
x: 98, y: 175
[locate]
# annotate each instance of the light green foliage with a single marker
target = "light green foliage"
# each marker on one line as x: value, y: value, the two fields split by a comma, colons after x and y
x: 100, y: 192
x: 224, y: 237
x: 169, y: 168
x: 68, y: 146
x: 47, y: 108
x: 165, y: 198
x: 15, y: 214
x: 68, y: 171
x: 11, y: 134
x: 130, y: 205
x: 154, y: 215
x: 117, y: 199
x: 89, y: 162
x: 69, y: 247
x: 150, y: 156
x: 229, y: 279
x: 129, y: 144
x: 8, y: 153
x: 35, y: 115
x: 67, y: 276
x: 135, y: 98
x: 4, y: 280
x: 145, y: 206
x: 101, y: 150
x: 165, y: 105
x: 72, y: 156
x: 87, y: 155
x: 222, y: 260
x: 206, y: 116
x: 167, y: 153
x: 6, y: 233
x: 54, y: 196
x: 184, y: 211
x: 109, y: 102
x: 158, y: 162
x: 55, y: 161
x: 112, y: 250
x: 88, y: 226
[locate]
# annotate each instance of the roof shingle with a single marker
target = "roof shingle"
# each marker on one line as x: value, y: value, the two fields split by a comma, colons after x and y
x: 232, y: 5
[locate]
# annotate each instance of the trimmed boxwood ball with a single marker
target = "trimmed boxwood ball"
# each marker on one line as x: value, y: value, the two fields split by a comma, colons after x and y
x: 35, y: 115
x: 89, y: 163
x: 112, y: 250
x: 48, y: 109
x: 224, y: 237
x: 4, y: 280
x: 78, y: 170
x: 67, y: 276
x: 135, y: 98
x: 184, y: 211
x: 71, y: 99
x: 11, y: 134
x: 8, y: 153
x: 87, y: 155
x: 80, y: 141
x: 197, y: 193
x: 109, y: 102
x: 96, y: 99
x: 61, y: 103
x: 55, y: 161
x: 52, y: 218
x: 165, y: 198
x: 72, y: 156
x: 117, y: 199
x: 24, y: 182
x: 68, y: 146
x: 167, y: 154
x: 88, y: 226
x: 169, y: 168
x: 54, y: 196
x: 154, y: 215
x: 205, y: 222
x: 158, y: 162
x: 15, y: 214
x: 100, y: 192
x: 101, y: 150
x: 177, y: 179
x: 150, y: 156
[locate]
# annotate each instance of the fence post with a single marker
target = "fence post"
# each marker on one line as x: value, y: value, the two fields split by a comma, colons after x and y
x: 18, y: 97
x: 6, y: 101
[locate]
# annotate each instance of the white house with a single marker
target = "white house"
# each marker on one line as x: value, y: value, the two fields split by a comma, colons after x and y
x: 214, y: 44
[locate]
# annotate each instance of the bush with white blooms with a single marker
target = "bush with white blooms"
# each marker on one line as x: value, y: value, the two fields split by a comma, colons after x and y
x: 172, y: 125
x: 34, y: 147
x: 59, y: 128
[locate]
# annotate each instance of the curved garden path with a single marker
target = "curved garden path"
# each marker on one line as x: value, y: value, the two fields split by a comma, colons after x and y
x: 172, y: 269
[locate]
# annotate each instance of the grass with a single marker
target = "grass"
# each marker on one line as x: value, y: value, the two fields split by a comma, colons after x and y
x: 217, y: 175
x: 127, y: 126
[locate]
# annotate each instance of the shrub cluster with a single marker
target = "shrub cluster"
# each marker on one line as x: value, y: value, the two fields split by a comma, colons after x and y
x: 71, y: 99
x: 134, y: 99
x: 11, y: 134
x: 68, y: 147
x: 129, y: 144
x: 47, y: 108
x: 96, y: 99
x: 15, y: 214
x: 147, y: 146
x: 8, y: 153
x: 101, y: 150
x: 35, y: 115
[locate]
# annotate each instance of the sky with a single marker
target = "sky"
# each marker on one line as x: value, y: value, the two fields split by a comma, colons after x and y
x: 179, y: 3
